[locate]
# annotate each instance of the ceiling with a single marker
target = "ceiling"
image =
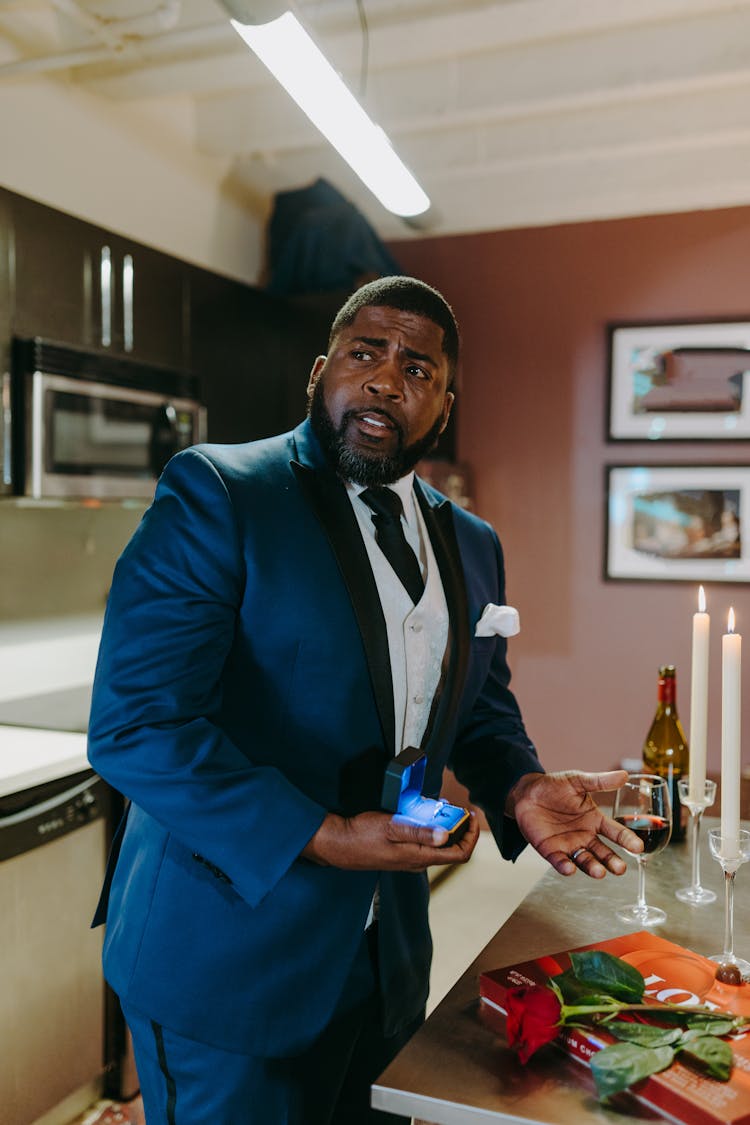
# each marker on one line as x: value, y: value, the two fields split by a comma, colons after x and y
x: 510, y: 113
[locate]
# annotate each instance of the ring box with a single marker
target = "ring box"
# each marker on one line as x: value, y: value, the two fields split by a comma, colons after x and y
x: 402, y: 795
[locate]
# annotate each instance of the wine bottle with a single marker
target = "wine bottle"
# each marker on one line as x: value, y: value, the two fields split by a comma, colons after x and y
x: 665, y: 751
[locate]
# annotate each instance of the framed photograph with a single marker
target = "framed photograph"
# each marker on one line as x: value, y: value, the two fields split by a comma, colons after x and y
x: 678, y: 523
x: 679, y: 382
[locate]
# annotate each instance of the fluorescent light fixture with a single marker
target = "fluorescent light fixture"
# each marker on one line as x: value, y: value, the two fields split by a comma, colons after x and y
x: 287, y: 50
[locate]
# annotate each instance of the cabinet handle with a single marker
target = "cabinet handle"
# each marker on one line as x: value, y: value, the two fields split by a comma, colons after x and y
x: 105, y: 281
x: 5, y: 437
x: 37, y: 432
x: 128, y: 278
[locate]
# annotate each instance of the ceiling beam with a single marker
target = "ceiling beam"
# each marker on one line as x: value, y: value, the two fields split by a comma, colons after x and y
x: 440, y: 37
x: 614, y: 72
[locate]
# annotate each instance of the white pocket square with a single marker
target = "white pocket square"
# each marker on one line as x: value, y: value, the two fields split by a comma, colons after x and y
x: 498, y: 620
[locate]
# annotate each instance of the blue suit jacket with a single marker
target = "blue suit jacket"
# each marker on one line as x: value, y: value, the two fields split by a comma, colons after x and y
x: 243, y: 690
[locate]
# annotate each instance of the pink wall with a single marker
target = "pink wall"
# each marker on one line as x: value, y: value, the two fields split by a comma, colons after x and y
x: 533, y: 306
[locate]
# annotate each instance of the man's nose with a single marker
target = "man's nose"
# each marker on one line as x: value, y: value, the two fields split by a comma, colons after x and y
x: 387, y: 381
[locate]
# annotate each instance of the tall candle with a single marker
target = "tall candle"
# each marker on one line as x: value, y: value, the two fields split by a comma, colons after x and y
x: 731, y: 663
x: 699, y: 700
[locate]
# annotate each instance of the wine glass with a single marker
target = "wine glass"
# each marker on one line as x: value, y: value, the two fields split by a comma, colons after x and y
x: 642, y: 805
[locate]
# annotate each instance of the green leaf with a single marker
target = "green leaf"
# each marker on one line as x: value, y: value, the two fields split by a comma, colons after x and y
x: 709, y: 1026
x: 619, y: 1066
x: 609, y: 974
x: 575, y: 991
x: 666, y: 1015
x: 709, y: 1054
x: 644, y: 1034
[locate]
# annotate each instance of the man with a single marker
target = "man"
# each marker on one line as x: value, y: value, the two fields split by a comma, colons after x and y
x: 261, y: 664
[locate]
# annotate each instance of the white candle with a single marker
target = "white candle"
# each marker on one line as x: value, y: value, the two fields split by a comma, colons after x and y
x: 699, y: 700
x: 731, y: 663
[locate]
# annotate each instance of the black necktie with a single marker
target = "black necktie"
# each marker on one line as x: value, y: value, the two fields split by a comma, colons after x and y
x: 389, y: 534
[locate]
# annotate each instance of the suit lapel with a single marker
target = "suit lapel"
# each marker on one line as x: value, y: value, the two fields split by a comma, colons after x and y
x: 438, y: 519
x: 327, y: 496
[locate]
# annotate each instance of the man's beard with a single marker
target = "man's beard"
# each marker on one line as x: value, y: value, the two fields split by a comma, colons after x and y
x: 363, y: 467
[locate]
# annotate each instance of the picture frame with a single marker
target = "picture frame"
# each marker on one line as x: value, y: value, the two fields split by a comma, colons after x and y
x: 678, y: 523
x: 679, y: 382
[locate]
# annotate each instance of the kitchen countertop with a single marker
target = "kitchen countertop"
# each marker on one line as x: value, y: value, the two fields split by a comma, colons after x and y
x: 51, y: 655
x: 30, y: 756
x: 46, y: 673
x: 457, y: 1071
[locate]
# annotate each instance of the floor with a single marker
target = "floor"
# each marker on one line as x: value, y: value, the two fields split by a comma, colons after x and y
x: 468, y: 904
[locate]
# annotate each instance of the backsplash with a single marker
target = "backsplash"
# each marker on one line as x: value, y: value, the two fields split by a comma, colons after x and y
x: 58, y: 561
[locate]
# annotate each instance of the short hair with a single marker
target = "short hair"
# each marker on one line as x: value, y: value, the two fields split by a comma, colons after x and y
x: 408, y: 294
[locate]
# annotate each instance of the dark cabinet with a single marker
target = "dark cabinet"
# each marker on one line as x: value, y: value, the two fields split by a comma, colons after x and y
x: 237, y: 346
x: 150, y: 303
x: 76, y: 283
x: 254, y: 353
x: 309, y: 321
x: 53, y: 274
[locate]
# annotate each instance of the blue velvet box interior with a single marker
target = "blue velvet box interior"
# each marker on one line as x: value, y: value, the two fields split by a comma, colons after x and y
x: 402, y: 795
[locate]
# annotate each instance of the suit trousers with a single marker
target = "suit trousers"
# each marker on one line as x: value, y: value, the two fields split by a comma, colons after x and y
x: 184, y: 1082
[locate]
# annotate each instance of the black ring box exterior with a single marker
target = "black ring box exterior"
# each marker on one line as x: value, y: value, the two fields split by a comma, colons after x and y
x: 402, y: 795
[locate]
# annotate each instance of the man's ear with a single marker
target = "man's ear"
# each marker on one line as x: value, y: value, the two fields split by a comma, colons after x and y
x: 450, y: 398
x: 316, y: 371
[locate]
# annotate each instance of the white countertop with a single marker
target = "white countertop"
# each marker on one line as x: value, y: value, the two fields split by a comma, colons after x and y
x: 40, y: 661
x: 30, y: 756
x: 49, y: 655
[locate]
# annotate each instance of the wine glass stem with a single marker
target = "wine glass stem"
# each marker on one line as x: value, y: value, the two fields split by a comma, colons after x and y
x: 696, y: 855
x: 729, y: 914
x: 641, y: 886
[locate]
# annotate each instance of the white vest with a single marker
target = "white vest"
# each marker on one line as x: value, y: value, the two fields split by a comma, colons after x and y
x: 417, y: 634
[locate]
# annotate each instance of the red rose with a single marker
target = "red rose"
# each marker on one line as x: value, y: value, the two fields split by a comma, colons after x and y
x: 533, y: 1019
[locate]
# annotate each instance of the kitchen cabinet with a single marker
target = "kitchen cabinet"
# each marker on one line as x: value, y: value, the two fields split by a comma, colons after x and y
x: 253, y: 353
x: 309, y: 318
x: 77, y: 283
x: 238, y: 352
x: 52, y: 273
x: 149, y: 304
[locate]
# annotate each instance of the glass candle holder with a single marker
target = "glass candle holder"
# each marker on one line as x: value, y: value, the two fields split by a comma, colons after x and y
x: 695, y: 894
x: 731, y: 853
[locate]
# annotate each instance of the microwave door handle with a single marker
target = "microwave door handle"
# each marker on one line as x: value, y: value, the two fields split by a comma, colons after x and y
x: 163, y: 444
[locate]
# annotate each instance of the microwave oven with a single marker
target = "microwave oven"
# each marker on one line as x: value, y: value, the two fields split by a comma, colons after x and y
x: 93, y: 426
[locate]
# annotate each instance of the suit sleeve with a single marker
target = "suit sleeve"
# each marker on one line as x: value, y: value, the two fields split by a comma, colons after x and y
x: 168, y: 628
x: 492, y: 750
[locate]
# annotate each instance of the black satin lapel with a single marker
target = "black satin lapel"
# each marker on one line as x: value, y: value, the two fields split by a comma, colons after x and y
x: 439, y: 523
x: 328, y: 499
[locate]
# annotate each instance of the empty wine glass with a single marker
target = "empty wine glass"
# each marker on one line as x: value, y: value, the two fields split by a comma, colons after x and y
x: 642, y: 805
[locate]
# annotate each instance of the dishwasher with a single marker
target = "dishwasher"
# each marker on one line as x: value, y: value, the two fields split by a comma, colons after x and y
x: 53, y: 844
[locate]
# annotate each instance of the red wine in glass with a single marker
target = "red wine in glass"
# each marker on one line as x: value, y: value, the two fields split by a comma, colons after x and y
x: 653, y: 830
x: 642, y: 806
